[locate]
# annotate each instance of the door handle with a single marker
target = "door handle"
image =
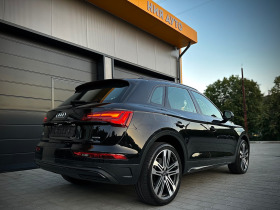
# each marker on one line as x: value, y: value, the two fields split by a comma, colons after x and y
x: 179, y: 124
x: 213, y: 129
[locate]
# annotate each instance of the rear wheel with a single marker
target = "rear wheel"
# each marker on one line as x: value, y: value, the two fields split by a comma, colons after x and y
x: 160, y: 176
x: 74, y: 180
x: 241, y: 164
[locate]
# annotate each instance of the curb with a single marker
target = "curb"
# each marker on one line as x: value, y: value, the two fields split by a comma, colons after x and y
x: 265, y: 142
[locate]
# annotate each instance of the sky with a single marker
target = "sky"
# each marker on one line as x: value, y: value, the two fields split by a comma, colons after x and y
x: 231, y: 34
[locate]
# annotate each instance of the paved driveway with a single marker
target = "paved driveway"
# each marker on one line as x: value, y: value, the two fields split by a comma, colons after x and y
x: 259, y: 188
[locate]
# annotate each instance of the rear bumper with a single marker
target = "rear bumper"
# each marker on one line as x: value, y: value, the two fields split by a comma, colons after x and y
x: 125, y: 174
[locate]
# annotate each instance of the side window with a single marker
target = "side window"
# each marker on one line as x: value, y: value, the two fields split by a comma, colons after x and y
x: 157, y: 96
x: 180, y: 99
x: 206, y: 107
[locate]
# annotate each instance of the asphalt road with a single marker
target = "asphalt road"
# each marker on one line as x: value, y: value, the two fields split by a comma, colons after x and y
x: 259, y: 188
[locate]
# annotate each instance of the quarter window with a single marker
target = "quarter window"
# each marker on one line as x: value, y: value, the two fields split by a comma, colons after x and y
x: 206, y: 107
x: 180, y: 99
x: 157, y: 96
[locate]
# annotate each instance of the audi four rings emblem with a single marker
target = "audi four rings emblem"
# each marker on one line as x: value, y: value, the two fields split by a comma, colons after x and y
x: 60, y: 115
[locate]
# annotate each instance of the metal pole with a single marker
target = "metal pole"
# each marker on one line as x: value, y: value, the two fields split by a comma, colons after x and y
x: 244, y: 103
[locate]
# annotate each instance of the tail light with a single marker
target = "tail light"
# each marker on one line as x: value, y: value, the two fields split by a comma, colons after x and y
x: 45, y: 119
x: 101, y: 155
x: 121, y: 118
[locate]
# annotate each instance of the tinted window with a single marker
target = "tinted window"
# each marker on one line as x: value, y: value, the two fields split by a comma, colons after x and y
x: 157, y: 96
x: 206, y: 107
x: 98, y: 95
x: 180, y: 99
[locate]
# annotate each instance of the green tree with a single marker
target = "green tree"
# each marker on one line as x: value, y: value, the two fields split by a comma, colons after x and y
x: 227, y: 95
x: 271, y: 113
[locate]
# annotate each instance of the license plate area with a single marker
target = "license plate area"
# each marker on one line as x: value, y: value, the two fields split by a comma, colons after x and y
x: 66, y: 131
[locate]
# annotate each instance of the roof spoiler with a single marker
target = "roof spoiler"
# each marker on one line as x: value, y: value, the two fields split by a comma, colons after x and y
x: 102, y: 84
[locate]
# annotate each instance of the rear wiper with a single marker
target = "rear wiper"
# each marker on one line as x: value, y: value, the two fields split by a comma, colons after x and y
x: 77, y: 102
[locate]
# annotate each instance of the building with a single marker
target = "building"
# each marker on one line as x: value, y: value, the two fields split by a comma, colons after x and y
x: 47, y: 47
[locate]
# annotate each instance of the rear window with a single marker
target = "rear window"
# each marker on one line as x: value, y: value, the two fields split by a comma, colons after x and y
x: 105, y: 94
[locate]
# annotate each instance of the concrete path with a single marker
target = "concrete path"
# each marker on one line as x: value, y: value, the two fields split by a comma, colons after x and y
x: 259, y: 188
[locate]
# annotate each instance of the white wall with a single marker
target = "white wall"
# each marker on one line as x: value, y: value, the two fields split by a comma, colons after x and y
x: 81, y: 23
x: 1, y: 9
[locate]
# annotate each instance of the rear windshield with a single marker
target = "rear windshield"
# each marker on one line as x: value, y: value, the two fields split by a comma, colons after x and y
x: 108, y: 94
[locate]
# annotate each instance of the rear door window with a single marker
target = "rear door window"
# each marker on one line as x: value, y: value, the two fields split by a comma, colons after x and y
x: 180, y: 99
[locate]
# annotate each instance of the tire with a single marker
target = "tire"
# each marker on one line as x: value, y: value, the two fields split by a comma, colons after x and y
x: 74, y: 180
x: 160, y: 178
x: 241, y: 164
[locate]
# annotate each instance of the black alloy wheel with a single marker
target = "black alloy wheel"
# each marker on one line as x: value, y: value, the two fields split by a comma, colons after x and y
x: 161, y: 175
x: 241, y: 164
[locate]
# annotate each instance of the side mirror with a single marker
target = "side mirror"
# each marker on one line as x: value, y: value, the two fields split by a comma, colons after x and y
x: 227, y: 115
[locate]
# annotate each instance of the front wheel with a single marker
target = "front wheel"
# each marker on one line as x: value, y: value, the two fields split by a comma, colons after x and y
x: 160, y: 176
x: 241, y: 164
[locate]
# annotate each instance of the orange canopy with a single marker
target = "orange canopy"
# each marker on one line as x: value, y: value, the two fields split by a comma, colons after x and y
x: 152, y: 18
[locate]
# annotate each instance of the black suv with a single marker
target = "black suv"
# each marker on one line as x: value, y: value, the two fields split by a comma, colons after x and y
x: 141, y: 132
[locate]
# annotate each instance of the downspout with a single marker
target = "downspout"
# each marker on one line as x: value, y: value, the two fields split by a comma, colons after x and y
x: 178, y: 63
